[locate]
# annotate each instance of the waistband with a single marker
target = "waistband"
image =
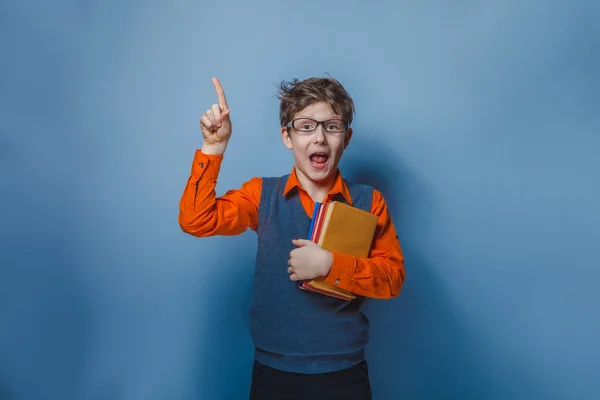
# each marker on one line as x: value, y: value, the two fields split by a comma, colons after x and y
x: 309, y: 364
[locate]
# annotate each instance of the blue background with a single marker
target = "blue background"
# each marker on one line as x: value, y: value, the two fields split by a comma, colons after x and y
x: 479, y: 122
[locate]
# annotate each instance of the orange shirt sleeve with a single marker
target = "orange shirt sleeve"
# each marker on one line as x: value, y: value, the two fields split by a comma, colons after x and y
x: 381, y: 275
x: 202, y: 213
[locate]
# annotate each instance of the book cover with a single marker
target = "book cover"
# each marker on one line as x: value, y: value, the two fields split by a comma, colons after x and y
x: 344, y: 229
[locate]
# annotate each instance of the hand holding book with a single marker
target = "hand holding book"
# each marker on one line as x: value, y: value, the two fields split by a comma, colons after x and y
x: 338, y: 227
x: 308, y: 260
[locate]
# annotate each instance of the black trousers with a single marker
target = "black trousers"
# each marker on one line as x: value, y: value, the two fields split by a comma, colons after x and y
x: 272, y: 384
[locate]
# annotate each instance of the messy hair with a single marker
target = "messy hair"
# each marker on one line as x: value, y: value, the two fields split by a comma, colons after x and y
x: 297, y: 95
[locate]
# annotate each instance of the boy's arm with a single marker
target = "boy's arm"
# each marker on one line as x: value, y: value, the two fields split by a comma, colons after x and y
x: 382, y: 274
x: 202, y: 213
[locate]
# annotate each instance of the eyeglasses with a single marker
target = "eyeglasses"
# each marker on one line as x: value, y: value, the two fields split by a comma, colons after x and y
x: 307, y: 125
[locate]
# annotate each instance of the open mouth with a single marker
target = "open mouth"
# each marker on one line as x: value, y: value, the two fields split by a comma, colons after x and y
x: 319, y: 160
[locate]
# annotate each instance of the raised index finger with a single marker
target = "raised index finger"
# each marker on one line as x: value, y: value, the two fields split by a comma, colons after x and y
x: 220, y: 93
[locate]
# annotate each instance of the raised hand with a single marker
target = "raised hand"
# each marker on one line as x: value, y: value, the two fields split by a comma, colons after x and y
x: 215, y: 123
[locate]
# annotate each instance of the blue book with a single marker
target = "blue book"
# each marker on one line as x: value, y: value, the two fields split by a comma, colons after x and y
x: 312, y: 227
x: 314, y: 218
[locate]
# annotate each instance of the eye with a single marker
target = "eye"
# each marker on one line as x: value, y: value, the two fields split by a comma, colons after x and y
x: 304, y: 125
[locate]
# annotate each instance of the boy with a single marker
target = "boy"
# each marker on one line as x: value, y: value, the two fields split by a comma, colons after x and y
x: 308, y: 346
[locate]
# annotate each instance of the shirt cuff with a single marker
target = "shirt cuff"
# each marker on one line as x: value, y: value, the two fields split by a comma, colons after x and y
x: 206, y: 165
x: 342, y: 270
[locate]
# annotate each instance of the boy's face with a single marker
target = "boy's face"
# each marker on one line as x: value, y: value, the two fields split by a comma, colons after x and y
x: 317, y: 154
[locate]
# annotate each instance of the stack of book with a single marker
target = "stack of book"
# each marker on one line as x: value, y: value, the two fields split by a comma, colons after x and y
x: 339, y: 227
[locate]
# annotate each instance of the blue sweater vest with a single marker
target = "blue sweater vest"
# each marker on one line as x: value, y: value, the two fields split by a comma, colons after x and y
x: 292, y: 329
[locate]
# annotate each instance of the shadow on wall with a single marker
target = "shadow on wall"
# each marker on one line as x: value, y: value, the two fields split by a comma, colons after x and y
x: 225, y: 352
x: 418, y: 348
x: 5, y: 392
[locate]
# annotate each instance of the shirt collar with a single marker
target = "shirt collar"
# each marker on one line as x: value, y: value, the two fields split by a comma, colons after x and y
x: 339, y: 186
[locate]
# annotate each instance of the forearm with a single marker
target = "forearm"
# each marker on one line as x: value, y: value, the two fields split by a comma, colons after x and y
x: 202, y: 213
x: 198, y: 214
x: 377, y: 277
x: 381, y: 275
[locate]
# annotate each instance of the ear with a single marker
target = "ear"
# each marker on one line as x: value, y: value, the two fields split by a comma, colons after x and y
x: 287, y: 140
x: 347, y: 137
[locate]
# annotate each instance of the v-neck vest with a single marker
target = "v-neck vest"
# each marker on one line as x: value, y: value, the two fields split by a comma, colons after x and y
x: 292, y: 329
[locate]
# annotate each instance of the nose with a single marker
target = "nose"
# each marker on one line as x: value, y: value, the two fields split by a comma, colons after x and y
x: 319, y: 135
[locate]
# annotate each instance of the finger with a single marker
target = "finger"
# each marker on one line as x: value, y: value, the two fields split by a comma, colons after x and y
x: 293, y: 277
x: 206, y: 122
x: 211, y: 116
x: 301, y: 242
x: 217, y: 113
x: 220, y: 93
x: 290, y: 270
x: 225, y: 114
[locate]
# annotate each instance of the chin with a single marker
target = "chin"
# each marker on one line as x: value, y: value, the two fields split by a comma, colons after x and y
x: 319, y: 173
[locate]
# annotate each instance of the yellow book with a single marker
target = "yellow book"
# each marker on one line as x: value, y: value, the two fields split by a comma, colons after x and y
x: 347, y: 230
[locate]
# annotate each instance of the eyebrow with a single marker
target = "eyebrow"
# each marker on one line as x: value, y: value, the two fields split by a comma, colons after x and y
x: 326, y: 119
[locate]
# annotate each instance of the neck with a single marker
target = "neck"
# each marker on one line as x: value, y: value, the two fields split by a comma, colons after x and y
x: 316, y: 190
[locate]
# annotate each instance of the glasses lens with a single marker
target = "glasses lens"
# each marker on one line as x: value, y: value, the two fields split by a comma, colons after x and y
x: 304, y: 125
x: 309, y: 125
x: 335, y: 125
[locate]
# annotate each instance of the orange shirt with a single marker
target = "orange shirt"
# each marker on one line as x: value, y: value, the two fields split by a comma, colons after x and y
x: 202, y: 213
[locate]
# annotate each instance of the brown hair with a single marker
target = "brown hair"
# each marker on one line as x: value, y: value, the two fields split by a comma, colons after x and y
x: 297, y: 95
